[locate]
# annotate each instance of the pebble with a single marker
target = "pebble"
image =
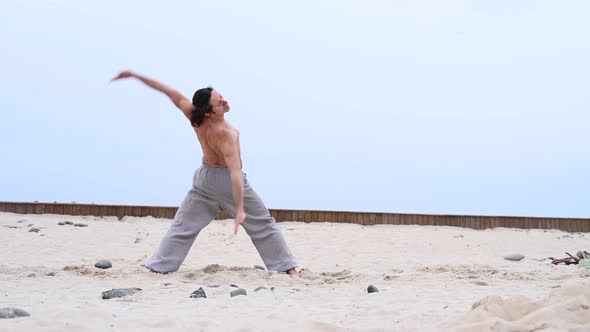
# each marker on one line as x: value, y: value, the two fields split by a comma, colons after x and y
x: 61, y: 223
x: 372, y: 289
x: 258, y: 267
x: 137, y: 240
x: 239, y: 291
x: 479, y: 283
x: 80, y: 225
x: 260, y: 288
x: 103, y: 264
x: 199, y: 293
x: 514, y: 257
x: 12, y: 312
x: 51, y: 274
x: 119, y: 292
x: 31, y: 275
x: 272, y: 289
x: 213, y: 286
x: 235, y: 286
x: 34, y: 229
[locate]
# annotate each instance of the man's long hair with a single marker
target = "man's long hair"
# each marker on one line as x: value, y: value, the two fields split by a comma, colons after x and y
x: 201, y: 100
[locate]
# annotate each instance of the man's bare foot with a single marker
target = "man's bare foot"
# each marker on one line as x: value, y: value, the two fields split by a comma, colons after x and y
x: 292, y: 272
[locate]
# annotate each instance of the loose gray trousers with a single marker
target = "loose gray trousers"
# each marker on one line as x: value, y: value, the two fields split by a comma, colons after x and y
x: 211, y: 192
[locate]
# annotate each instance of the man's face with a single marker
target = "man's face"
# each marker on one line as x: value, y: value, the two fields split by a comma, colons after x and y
x: 219, y: 104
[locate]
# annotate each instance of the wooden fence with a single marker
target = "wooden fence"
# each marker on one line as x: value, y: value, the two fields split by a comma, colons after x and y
x: 362, y: 218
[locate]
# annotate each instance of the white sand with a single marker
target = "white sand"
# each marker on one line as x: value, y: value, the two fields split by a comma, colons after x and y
x: 429, y: 277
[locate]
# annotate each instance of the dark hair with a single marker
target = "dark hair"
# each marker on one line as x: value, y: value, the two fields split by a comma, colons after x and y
x: 201, y: 102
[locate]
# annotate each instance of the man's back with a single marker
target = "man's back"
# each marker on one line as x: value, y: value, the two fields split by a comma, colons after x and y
x: 212, y: 135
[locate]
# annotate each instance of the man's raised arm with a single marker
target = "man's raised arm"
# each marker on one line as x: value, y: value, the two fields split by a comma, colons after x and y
x: 177, y: 98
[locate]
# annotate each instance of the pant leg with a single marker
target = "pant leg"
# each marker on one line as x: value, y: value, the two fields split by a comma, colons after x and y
x: 263, y: 230
x: 195, y: 212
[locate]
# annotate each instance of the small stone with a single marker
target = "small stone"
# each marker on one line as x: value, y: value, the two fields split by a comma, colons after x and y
x: 199, y: 293
x: 80, y: 225
x: 12, y: 312
x: 514, y: 257
x: 103, y: 264
x: 479, y: 283
x: 213, y: 286
x: 166, y: 283
x: 239, y: 291
x: 235, y: 286
x: 258, y: 267
x: 31, y: 275
x: 260, y: 288
x: 585, y: 262
x: 61, y: 223
x: 272, y: 289
x: 137, y: 240
x: 16, y: 227
x: 372, y: 289
x: 34, y: 229
x: 119, y: 292
x: 21, y: 221
x: 51, y: 274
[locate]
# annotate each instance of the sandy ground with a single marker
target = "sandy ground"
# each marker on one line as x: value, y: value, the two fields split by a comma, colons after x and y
x: 431, y: 278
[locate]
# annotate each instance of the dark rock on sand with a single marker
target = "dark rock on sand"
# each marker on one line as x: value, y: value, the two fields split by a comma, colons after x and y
x: 199, y: 293
x: 514, y: 257
x: 80, y: 225
x: 103, y: 264
x: 34, y: 229
x: 260, y: 288
x: 479, y: 283
x: 235, y: 286
x: 258, y: 267
x: 239, y: 291
x: 213, y: 286
x: 12, y: 312
x: 61, y: 223
x: 372, y: 289
x: 119, y: 292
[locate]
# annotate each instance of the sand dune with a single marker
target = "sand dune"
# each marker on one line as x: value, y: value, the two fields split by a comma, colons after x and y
x: 430, y: 278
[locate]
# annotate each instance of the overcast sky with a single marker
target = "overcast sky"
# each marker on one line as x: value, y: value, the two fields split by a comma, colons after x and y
x: 442, y: 107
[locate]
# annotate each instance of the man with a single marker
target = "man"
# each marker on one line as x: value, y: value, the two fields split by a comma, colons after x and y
x: 218, y: 184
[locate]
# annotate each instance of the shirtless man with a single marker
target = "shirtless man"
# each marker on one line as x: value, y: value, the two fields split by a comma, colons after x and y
x: 218, y: 184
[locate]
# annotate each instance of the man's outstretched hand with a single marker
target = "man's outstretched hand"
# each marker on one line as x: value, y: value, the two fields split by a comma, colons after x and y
x: 123, y: 74
x: 240, y: 217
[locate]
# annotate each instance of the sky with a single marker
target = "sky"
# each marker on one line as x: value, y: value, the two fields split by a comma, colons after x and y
x: 437, y: 107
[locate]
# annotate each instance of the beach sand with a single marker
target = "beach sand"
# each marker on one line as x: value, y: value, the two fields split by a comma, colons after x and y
x: 431, y: 278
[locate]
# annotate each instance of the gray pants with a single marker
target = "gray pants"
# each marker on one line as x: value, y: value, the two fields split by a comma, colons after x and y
x: 210, y: 193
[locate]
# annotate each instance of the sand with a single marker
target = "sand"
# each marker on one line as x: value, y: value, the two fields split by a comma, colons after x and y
x: 431, y: 278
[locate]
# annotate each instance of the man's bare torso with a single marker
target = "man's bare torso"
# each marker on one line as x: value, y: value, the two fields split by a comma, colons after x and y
x: 211, y: 152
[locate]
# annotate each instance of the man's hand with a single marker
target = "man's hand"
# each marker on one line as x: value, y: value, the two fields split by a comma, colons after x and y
x: 123, y: 74
x: 240, y: 216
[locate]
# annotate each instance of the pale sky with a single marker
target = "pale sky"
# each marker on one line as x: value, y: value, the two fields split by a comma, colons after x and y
x: 442, y: 107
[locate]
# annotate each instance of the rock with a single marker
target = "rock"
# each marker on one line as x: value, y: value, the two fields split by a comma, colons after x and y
x: 15, y: 227
x: 239, y: 291
x: 119, y: 292
x: 514, y: 257
x: 80, y: 225
x: 61, y: 223
x: 272, y: 289
x: 34, y: 229
x: 51, y: 274
x: 137, y: 240
x: 372, y: 289
x: 213, y: 286
x: 260, y: 288
x: 166, y: 283
x: 12, y: 312
x: 479, y: 283
x: 258, y: 267
x: 235, y: 286
x: 31, y: 275
x: 103, y: 264
x: 199, y: 293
